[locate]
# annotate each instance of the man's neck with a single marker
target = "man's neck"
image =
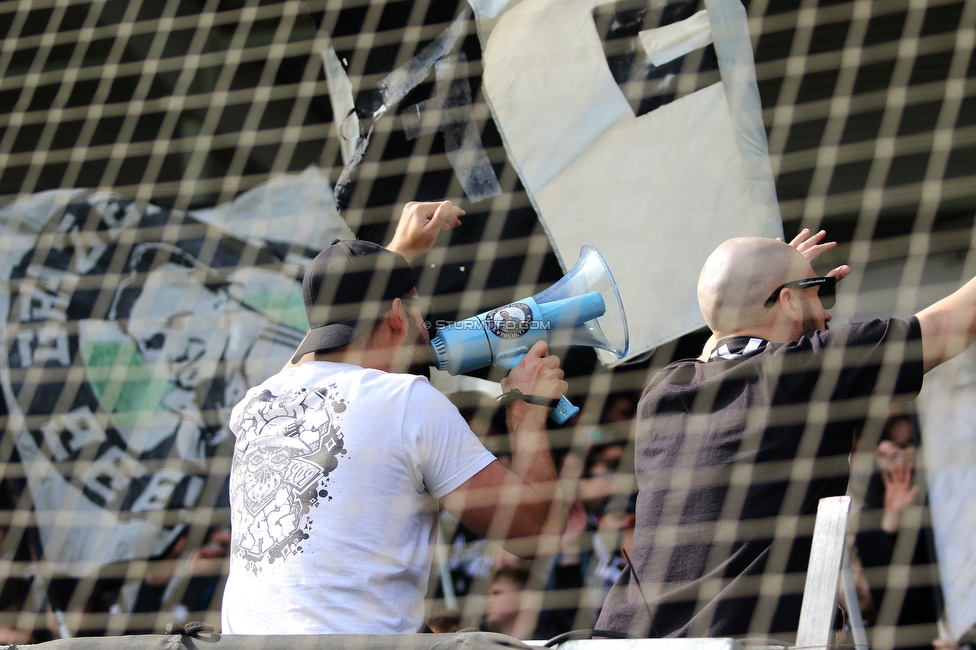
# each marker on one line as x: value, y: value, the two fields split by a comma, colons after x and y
x: 771, y: 334
x: 376, y: 359
x: 756, y: 333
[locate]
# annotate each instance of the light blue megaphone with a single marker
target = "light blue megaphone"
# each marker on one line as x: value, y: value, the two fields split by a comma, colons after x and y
x: 583, y: 308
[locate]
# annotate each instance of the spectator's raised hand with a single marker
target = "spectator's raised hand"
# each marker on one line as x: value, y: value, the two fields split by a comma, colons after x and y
x: 811, y: 246
x: 899, y: 494
x: 420, y: 224
x: 899, y: 491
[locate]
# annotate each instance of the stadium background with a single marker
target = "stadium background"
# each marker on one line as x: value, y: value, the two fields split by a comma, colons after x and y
x: 179, y: 106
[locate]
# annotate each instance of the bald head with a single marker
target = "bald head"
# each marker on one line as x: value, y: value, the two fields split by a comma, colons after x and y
x: 739, y: 276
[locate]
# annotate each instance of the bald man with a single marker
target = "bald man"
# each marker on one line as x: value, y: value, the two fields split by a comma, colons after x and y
x: 735, y: 451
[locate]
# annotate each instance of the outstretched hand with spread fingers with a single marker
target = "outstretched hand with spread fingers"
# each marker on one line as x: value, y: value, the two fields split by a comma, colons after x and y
x: 812, y: 246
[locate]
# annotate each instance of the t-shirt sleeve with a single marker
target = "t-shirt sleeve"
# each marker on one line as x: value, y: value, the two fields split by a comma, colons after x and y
x: 442, y: 450
x: 869, y: 358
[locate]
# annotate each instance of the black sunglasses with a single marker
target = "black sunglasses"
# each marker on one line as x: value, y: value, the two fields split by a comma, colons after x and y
x: 828, y: 293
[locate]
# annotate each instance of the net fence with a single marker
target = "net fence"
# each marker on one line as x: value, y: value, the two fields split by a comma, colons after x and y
x: 168, y: 170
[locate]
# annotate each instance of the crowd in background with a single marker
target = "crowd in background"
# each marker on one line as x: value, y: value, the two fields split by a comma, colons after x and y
x: 34, y: 607
x: 489, y: 588
x: 566, y: 595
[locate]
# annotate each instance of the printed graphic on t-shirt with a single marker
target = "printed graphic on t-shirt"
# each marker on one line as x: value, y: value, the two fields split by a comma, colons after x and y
x: 287, y: 447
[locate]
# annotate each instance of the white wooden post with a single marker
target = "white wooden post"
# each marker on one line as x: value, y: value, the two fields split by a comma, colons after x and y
x: 823, y: 573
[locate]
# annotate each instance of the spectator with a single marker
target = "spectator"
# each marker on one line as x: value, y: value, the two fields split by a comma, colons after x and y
x: 588, y: 565
x: 446, y: 622
x: 20, y: 622
x: 911, y: 610
x: 599, y: 480
x: 620, y: 407
x: 505, y: 610
x: 183, y: 581
x: 614, y: 542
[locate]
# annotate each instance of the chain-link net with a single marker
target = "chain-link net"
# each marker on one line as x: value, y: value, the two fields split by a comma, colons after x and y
x: 168, y: 169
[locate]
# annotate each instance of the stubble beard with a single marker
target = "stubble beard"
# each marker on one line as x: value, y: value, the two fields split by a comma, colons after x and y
x: 811, y: 323
x: 418, y: 350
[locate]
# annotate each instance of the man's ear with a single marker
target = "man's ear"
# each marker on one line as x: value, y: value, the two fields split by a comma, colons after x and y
x: 397, y: 316
x: 789, y: 300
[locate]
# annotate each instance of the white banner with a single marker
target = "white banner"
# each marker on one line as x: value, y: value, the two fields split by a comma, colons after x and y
x: 947, y: 407
x: 656, y: 189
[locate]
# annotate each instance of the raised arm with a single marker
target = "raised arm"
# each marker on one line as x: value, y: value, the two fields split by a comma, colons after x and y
x: 419, y: 226
x: 520, y: 504
x: 948, y: 326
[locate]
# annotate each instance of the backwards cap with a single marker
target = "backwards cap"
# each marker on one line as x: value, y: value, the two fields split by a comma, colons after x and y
x: 346, y: 287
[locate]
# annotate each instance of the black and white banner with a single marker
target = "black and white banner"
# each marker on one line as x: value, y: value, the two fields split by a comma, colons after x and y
x: 131, y: 331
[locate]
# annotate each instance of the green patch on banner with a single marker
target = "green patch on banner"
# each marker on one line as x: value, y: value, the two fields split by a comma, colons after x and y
x: 125, y: 385
x: 288, y: 307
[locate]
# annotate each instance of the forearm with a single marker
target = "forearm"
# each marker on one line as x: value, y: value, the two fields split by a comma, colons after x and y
x: 948, y: 326
x: 532, y: 461
x: 408, y: 253
x: 531, y: 456
x: 526, y: 505
x: 891, y: 521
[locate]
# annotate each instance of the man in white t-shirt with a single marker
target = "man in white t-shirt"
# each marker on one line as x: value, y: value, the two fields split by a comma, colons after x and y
x: 342, y: 457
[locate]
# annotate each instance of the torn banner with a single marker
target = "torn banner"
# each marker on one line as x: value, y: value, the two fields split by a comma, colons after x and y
x: 636, y: 127
x: 449, y: 110
x: 131, y: 333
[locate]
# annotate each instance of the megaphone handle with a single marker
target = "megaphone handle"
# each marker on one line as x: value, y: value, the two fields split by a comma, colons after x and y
x: 563, y: 411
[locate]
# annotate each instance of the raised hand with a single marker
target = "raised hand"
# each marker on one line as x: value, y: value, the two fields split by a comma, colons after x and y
x: 420, y: 224
x: 812, y: 246
x: 899, y: 491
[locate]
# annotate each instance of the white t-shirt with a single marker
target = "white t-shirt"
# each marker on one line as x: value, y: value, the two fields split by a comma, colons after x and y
x: 333, y: 499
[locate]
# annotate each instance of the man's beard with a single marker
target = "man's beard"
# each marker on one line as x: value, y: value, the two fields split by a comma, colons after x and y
x: 420, y: 349
x: 810, y: 322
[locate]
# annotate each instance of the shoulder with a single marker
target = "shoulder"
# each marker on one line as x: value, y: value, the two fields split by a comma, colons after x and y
x: 391, y: 388
x: 422, y: 391
x: 679, y: 373
x: 684, y: 369
x: 399, y: 381
x: 316, y: 372
x: 871, y: 332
